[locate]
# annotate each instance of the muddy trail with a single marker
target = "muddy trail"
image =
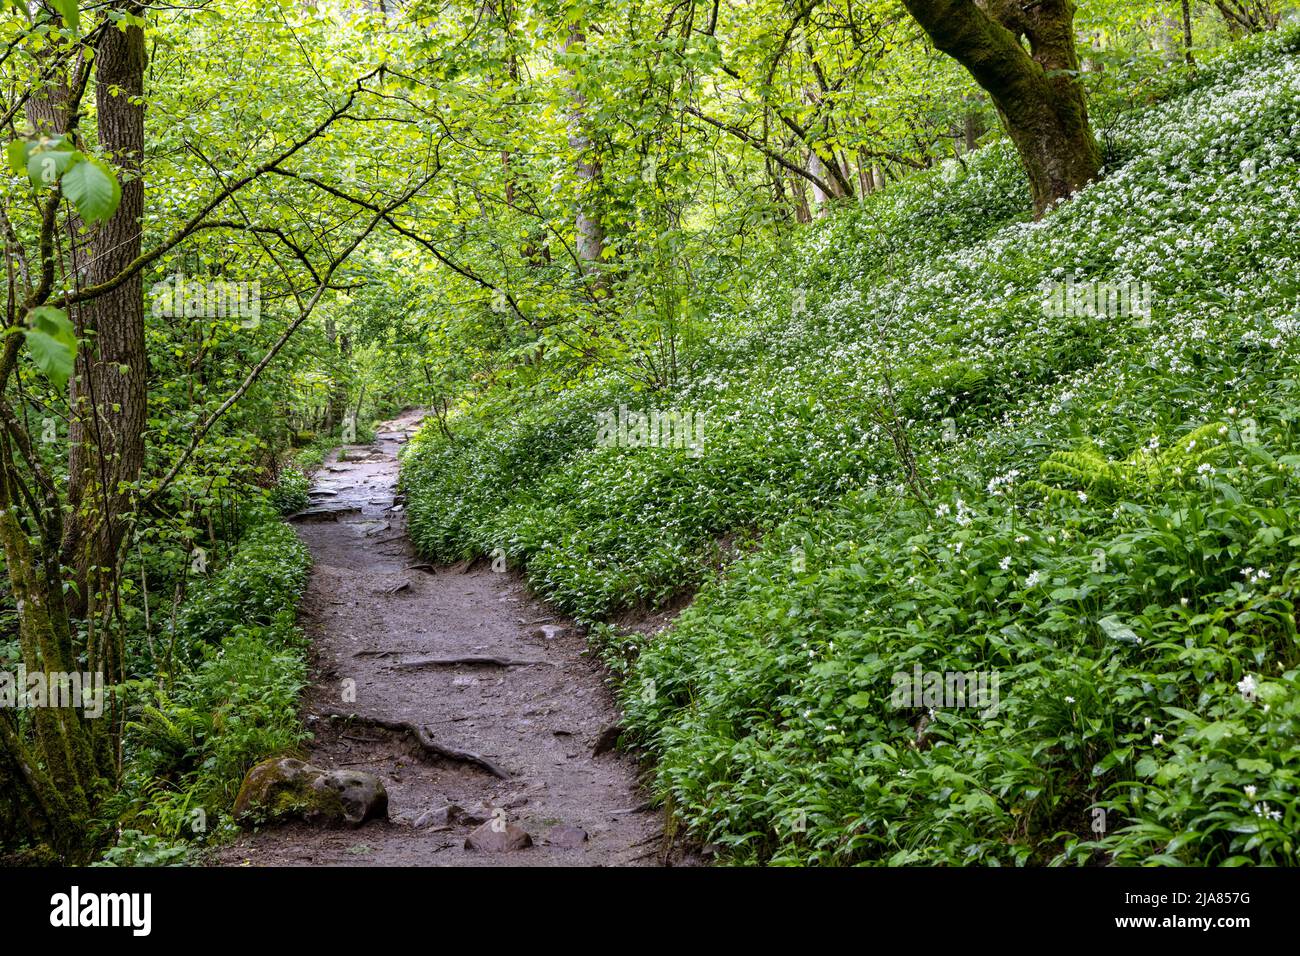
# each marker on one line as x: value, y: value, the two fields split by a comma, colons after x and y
x: 402, y: 641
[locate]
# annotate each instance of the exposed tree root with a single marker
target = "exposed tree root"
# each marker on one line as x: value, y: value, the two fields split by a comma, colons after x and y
x: 472, y: 660
x: 424, y: 739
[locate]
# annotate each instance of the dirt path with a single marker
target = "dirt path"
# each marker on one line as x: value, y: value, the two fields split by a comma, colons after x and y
x: 367, y: 611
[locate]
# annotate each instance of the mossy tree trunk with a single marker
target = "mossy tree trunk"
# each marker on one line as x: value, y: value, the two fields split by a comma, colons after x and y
x: 59, y: 760
x: 1036, y: 90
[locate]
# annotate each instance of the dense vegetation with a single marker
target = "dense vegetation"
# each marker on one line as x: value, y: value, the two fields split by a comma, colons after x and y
x: 1106, y: 515
x: 819, y: 243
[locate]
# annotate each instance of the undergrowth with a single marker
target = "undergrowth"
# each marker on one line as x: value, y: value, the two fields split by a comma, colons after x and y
x: 1105, y: 520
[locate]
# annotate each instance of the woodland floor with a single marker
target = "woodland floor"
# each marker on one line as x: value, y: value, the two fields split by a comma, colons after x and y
x: 371, y: 605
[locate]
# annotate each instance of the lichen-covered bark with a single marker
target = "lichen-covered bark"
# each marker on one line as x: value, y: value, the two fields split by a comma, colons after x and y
x: 1036, y: 91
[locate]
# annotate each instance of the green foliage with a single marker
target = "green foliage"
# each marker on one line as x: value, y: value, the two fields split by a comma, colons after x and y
x: 52, y: 343
x: 817, y: 341
x: 1135, y: 597
x: 87, y: 182
x: 135, y: 848
x: 1146, y: 471
x: 259, y: 587
x: 201, y: 731
x: 290, y: 491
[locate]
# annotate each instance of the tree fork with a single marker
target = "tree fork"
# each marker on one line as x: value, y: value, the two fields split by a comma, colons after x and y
x: 1037, y: 92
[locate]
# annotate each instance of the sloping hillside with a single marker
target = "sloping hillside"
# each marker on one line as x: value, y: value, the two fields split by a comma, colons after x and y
x: 1100, y: 527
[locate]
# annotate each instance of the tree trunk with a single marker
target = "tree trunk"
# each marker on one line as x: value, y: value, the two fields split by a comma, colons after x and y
x: 821, y: 200
x: 589, y: 233
x: 866, y: 178
x: 972, y: 129
x: 63, y: 775
x: 1037, y: 93
x: 108, y: 393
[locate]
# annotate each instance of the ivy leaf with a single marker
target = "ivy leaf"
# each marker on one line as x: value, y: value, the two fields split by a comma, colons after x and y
x: 93, y: 189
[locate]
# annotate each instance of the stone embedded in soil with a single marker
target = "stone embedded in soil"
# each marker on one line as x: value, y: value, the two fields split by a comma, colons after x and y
x: 440, y: 817
x: 283, y: 788
x: 496, y: 836
x: 475, y: 815
x: 566, y: 836
x: 549, y: 632
x: 362, y: 794
x: 449, y: 816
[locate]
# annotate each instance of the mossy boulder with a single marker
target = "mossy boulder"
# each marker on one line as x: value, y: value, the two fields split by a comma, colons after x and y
x: 284, y: 788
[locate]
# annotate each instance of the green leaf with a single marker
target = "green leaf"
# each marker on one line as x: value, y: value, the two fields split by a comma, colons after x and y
x: 46, y: 164
x: 93, y: 189
x: 1116, y: 630
x: 1252, y: 765
x: 51, y: 356
x: 54, y: 323
x: 1147, y: 767
x: 17, y: 152
x: 53, y: 343
x: 71, y: 15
